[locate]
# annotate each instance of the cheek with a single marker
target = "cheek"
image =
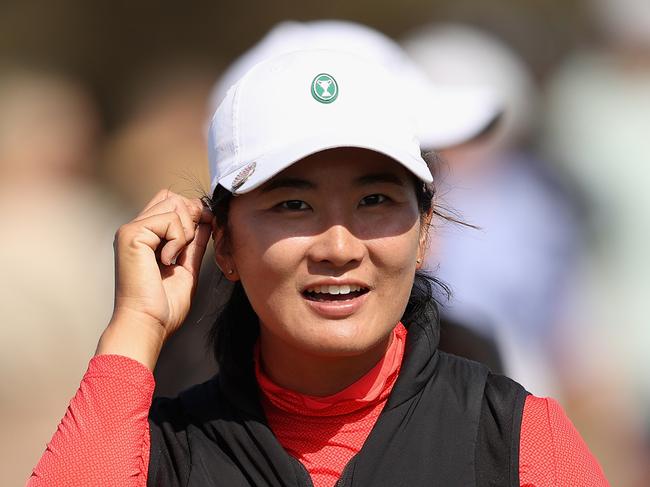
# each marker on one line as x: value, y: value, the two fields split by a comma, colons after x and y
x: 263, y: 250
x: 396, y: 251
x: 267, y: 265
x: 394, y: 258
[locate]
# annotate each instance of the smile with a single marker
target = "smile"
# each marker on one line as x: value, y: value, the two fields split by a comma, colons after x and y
x: 330, y: 292
x: 336, y: 301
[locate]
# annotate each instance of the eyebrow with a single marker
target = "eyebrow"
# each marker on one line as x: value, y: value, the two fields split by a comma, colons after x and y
x: 382, y: 177
x: 298, y: 183
x: 291, y: 183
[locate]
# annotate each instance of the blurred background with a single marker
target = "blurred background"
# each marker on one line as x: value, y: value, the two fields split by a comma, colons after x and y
x: 103, y: 103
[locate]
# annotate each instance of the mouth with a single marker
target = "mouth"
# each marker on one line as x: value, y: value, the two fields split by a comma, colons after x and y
x: 329, y: 293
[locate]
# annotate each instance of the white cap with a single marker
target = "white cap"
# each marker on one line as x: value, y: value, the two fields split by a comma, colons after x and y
x: 303, y: 102
x: 445, y: 114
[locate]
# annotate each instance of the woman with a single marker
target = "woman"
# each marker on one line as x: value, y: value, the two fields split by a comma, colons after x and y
x: 329, y: 371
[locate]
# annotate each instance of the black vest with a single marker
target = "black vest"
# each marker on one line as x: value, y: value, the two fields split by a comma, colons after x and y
x: 448, y: 422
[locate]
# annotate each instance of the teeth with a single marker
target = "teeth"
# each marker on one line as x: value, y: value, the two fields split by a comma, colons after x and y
x: 333, y: 289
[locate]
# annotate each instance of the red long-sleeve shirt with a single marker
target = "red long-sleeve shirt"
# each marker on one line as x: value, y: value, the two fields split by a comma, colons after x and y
x: 103, y: 440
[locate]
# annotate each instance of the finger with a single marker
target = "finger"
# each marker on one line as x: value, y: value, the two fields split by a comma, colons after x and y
x: 194, y: 204
x: 189, y: 226
x: 199, y: 212
x: 154, y: 230
x: 192, y: 256
x: 188, y: 210
x: 172, y: 248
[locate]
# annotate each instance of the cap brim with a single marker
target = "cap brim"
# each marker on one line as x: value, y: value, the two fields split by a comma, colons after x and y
x: 271, y: 164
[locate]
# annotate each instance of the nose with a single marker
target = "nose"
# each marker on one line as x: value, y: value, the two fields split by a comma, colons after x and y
x: 338, y: 246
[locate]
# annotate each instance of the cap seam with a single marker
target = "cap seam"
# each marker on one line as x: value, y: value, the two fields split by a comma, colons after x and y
x: 235, y: 119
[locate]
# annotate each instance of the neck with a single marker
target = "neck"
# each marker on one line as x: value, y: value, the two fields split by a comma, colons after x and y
x: 313, y: 374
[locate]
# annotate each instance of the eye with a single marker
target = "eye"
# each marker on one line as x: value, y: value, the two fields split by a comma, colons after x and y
x: 373, y: 199
x: 294, y: 205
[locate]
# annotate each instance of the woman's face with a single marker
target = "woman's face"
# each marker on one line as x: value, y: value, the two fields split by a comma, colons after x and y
x: 327, y: 251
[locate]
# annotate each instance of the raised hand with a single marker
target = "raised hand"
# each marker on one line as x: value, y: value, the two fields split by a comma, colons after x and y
x: 157, y: 261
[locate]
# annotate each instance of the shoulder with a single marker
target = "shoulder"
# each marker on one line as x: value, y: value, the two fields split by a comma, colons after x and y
x: 552, y: 450
x: 502, y: 409
x: 500, y: 387
x: 461, y: 368
x: 497, y: 388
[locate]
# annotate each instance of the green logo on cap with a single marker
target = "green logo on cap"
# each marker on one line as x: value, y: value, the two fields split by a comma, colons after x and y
x: 324, y: 88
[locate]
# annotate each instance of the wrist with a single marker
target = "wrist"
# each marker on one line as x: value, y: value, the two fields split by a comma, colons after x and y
x: 134, y: 335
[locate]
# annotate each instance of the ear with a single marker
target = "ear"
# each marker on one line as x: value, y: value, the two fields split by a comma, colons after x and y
x: 222, y: 253
x: 425, y: 225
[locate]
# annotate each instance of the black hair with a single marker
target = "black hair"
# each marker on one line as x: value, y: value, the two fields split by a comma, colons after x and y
x: 236, y: 327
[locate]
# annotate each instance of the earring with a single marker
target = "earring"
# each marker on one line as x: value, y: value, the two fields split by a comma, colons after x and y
x: 230, y: 272
x: 419, y: 261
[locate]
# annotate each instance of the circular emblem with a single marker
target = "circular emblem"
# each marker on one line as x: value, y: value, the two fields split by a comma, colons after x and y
x: 324, y: 88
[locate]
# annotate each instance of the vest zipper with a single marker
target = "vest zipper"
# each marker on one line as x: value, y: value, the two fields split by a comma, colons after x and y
x: 341, y: 482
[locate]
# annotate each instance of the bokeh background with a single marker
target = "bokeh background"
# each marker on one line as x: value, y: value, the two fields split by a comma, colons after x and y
x: 103, y: 103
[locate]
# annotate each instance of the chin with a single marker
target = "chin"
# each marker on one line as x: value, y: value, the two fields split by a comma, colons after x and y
x: 343, y: 341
